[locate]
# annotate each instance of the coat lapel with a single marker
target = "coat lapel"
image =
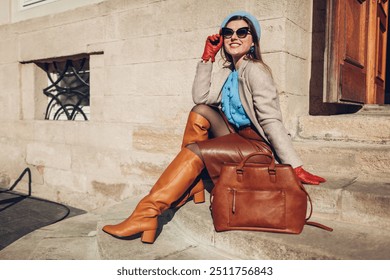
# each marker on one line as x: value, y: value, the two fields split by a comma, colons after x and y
x: 217, y: 83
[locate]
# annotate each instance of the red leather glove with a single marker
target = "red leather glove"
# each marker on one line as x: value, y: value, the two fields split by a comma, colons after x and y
x: 212, y: 46
x: 308, y: 178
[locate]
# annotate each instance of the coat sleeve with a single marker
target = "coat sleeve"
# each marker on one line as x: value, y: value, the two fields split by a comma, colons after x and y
x: 202, y: 83
x: 269, y: 116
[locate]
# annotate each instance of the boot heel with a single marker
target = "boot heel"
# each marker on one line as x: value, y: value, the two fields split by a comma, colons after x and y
x: 149, y: 236
x: 199, y: 197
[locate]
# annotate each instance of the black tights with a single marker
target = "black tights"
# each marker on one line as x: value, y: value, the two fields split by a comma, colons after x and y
x: 218, y: 126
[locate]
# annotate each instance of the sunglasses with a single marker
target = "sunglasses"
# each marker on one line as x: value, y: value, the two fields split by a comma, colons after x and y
x: 241, y: 33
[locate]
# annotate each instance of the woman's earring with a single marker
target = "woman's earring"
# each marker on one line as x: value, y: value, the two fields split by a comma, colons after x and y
x: 252, y: 49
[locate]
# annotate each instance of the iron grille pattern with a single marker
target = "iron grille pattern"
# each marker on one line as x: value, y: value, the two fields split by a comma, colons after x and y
x: 68, y: 89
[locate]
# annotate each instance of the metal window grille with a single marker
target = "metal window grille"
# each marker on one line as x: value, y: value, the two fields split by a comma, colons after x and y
x: 68, y: 89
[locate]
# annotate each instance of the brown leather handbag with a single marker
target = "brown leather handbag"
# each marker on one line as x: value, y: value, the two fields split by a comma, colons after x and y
x: 260, y: 197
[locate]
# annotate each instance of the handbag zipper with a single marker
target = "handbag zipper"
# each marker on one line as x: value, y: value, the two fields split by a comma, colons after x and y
x: 234, y: 201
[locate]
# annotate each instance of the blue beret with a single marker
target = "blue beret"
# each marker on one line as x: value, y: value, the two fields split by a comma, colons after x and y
x: 254, y: 20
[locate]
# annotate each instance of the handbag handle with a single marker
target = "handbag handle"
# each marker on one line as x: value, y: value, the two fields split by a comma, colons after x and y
x: 271, y: 167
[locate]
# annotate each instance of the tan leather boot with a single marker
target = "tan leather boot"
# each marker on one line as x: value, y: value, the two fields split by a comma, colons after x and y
x: 171, y: 185
x: 196, y: 130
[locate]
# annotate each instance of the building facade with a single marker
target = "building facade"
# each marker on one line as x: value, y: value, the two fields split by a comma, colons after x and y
x: 138, y: 60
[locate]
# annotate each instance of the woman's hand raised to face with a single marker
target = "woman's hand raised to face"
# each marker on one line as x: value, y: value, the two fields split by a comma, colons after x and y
x: 212, y: 46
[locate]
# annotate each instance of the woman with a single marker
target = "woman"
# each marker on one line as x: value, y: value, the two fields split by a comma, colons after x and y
x: 249, y: 121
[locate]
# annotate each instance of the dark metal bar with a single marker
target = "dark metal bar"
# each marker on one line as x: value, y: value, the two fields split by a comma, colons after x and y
x: 28, y: 171
x: 69, y: 91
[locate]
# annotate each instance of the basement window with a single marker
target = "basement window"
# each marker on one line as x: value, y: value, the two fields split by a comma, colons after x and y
x: 67, y: 88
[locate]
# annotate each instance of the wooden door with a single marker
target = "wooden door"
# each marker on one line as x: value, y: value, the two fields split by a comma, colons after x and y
x: 356, y: 51
x: 377, y: 46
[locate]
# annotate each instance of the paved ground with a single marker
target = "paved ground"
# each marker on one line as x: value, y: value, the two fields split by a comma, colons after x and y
x: 21, y: 214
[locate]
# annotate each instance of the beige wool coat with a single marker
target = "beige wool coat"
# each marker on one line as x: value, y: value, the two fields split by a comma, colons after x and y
x: 259, y: 98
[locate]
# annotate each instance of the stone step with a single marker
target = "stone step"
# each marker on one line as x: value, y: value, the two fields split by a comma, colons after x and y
x: 360, y: 128
x: 345, y: 158
x: 347, y: 241
x: 353, y: 200
x: 358, y: 211
x: 335, y: 203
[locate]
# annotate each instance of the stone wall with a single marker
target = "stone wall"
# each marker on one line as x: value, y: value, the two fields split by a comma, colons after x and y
x: 143, y: 59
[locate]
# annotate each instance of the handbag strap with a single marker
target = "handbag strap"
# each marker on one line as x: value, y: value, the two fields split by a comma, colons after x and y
x: 315, y: 224
x: 271, y: 166
x: 245, y: 159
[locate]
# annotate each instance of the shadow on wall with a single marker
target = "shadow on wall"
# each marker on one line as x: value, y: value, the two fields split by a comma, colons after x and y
x: 317, y: 106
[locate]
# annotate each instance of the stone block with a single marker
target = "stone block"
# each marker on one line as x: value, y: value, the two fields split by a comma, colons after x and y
x: 156, y: 139
x: 105, y: 162
x: 164, y: 79
x: 356, y: 128
x: 5, y: 180
x: 115, y: 136
x: 282, y: 35
x: 115, y: 6
x: 344, y: 158
x: 291, y: 106
x: 297, y: 40
x: 9, y: 50
x: 127, y: 108
x: 277, y: 62
x: 49, y: 155
x: 13, y: 163
x: 299, y: 12
x: 12, y: 160
x: 55, y: 14
x: 148, y: 166
x: 131, y: 23
x: 5, y: 15
x: 28, y: 91
x: 81, y: 33
x: 113, y: 191
x: 266, y: 9
x: 34, y: 101
x: 273, y: 37
x: 367, y: 203
x: 61, y: 179
x: 290, y: 73
x: 96, y: 61
x: 146, y: 110
x: 154, y: 48
x: 9, y: 93
x: 46, y: 131
x: 120, y: 80
x: 327, y: 198
x: 98, y: 83
x: 20, y: 130
x: 297, y: 75
x: 189, y: 44
x: 97, y: 107
x: 151, y: 79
